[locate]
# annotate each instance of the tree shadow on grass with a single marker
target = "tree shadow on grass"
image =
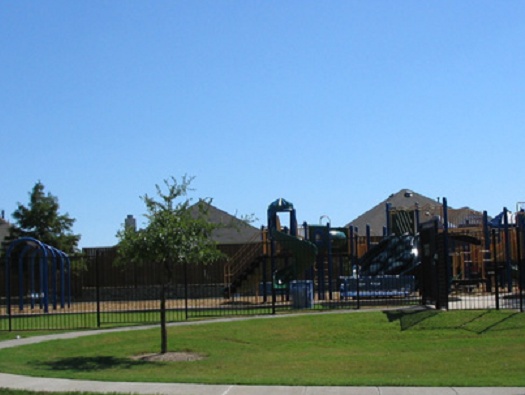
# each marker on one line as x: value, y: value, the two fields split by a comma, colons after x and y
x: 478, y: 322
x: 486, y: 323
x: 89, y: 364
x: 409, y: 318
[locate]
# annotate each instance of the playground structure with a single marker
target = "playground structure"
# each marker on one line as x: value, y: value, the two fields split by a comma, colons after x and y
x: 480, y: 255
x: 466, y: 256
x: 316, y: 256
x: 444, y: 261
x: 290, y: 257
x: 44, y: 275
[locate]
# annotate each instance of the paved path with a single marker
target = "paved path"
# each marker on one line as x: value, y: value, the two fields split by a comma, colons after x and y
x: 60, y: 385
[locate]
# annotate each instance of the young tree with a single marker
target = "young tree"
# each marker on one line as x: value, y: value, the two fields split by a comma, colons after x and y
x: 41, y: 219
x: 176, y: 233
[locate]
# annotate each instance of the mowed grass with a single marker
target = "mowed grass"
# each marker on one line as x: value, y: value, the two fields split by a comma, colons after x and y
x: 394, y: 348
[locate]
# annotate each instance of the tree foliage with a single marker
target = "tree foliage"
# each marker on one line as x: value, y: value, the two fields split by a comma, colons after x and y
x: 41, y: 219
x: 176, y: 233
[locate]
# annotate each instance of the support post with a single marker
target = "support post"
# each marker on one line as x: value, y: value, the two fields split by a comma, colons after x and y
x: 445, y: 242
x: 388, y: 219
x: 508, y: 258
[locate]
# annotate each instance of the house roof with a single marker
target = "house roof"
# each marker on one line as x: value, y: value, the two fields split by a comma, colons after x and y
x: 236, y: 232
x: 408, y: 199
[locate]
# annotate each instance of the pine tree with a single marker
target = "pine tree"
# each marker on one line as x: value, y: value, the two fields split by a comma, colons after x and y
x: 41, y: 220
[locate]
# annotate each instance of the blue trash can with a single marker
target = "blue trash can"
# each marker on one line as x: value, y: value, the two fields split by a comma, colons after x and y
x: 302, y: 293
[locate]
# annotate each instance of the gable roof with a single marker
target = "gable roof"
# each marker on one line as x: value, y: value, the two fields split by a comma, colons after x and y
x: 408, y: 199
x: 237, y: 232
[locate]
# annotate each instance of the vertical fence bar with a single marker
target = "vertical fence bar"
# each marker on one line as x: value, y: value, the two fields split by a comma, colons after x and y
x: 358, y: 296
x: 272, y: 268
x: 496, y: 267
x: 520, y: 266
x: 507, y: 249
x: 8, y: 287
x: 521, y: 226
x: 21, y: 279
x: 320, y: 277
x: 97, y: 288
x: 53, y: 278
x: 186, y: 301
x: 264, y: 242
x: 352, y: 249
x: 68, y: 262
x: 62, y: 283
x: 486, y: 246
x: 45, y: 299
x: 330, y: 260
x: 445, y: 245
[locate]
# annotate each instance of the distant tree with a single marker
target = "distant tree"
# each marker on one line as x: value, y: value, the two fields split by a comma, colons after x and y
x: 177, y: 232
x: 41, y: 219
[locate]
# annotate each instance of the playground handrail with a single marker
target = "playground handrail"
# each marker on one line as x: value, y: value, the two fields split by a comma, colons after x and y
x: 242, y: 259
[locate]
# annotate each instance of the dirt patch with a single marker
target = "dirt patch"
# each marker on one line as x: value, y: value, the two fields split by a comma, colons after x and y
x: 169, y: 357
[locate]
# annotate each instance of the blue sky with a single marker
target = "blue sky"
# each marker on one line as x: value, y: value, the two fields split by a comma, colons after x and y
x: 332, y: 105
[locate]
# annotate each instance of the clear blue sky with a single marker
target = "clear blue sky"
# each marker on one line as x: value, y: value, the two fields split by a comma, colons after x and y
x: 332, y: 105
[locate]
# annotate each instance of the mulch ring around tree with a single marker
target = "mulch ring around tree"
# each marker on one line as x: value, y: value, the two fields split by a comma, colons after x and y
x: 180, y: 356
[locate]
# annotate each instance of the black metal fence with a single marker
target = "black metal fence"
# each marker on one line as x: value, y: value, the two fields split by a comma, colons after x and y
x: 102, y: 294
x: 472, y: 268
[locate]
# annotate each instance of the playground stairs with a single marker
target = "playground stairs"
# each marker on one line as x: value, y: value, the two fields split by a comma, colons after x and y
x: 243, y: 264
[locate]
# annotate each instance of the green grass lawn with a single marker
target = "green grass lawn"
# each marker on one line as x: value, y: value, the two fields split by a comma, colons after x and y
x: 414, y: 348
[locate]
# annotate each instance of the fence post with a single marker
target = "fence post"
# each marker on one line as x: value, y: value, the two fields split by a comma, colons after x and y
x: 330, y: 260
x: 97, y: 287
x: 520, y: 265
x: 507, y: 249
x: 486, y: 253
x: 445, y: 246
x: 358, y: 277
x: 186, y: 311
x: 496, y: 267
x: 264, y: 241
x: 272, y: 268
x: 8, y: 289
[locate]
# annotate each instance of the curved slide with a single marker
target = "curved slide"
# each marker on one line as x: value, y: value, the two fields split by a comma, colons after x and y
x: 395, y: 255
x: 304, y: 253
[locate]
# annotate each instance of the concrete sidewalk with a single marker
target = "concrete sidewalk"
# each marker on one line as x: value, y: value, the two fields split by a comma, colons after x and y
x: 63, y: 385
x: 13, y: 381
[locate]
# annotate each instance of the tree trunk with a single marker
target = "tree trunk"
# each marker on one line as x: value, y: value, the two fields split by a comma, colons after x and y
x: 163, y: 329
x: 163, y: 295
